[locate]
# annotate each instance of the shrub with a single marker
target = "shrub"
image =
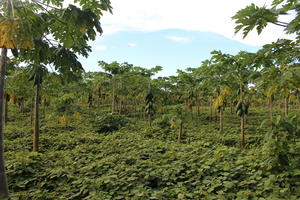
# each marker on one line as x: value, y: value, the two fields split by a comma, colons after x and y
x: 109, y: 123
x: 64, y: 103
x: 163, y: 122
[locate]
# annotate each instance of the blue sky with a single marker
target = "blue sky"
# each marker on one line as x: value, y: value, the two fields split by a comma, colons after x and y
x: 174, y: 34
x: 172, y: 49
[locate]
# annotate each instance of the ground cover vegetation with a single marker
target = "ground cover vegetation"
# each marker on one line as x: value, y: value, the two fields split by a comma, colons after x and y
x: 228, y: 129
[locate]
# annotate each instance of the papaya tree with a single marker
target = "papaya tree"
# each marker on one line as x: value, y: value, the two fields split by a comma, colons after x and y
x: 115, y: 70
x: 149, y: 107
x: 221, y: 81
x: 47, y: 33
x: 177, y: 121
x: 243, y: 69
x: 187, y: 85
x: 17, y: 83
x: 281, y: 73
x: 37, y: 74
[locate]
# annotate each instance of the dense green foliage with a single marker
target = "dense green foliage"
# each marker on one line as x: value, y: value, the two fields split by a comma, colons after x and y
x: 104, y: 123
x: 141, y: 163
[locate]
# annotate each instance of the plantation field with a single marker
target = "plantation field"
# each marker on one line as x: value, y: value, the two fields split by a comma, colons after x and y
x: 80, y: 159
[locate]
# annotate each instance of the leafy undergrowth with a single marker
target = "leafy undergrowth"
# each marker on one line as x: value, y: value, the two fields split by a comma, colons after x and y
x: 136, y: 163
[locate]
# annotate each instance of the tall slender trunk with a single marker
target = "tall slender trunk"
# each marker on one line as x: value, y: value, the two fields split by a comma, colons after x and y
x: 149, y: 120
x: 3, y: 180
x: 231, y: 107
x: 221, y: 122
x: 242, y: 141
x: 198, y: 109
x: 286, y: 106
x: 36, y: 130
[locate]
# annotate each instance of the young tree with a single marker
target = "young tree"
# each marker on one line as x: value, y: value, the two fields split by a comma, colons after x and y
x: 115, y: 70
x: 37, y: 74
x: 243, y: 69
x: 149, y: 108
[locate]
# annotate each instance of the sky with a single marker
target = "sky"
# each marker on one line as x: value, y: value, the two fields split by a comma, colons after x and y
x: 174, y: 34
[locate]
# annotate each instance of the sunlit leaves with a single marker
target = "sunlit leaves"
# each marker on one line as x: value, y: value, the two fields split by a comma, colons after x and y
x: 220, y: 101
x: 14, y: 34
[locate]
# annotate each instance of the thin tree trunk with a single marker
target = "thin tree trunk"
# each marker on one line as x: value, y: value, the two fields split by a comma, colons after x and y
x: 149, y: 120
x: 3, y: 180
x: 221, y: 122
x: 242, y: 139
x: 198, y: 109
x: 286, y: 106
x: 242, y: 142
x: 231, y: 107
x: 36, y: 130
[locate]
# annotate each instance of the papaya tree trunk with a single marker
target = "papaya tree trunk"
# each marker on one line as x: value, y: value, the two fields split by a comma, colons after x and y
x: 3, y: 180
x: 242, y: 141
x: 36, y: 130
x: 221, y: 122
x: 286, y: 106
x: 242, y: 136
x: 149, y: 120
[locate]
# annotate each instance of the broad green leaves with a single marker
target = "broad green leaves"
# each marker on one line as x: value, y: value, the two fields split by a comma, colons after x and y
x: 254, y: 17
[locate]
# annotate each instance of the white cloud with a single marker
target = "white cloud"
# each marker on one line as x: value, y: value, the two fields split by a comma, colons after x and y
x: 213, y: 16
x: 178, y: 39
x: 100, y: 47
x: 131, y: 44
